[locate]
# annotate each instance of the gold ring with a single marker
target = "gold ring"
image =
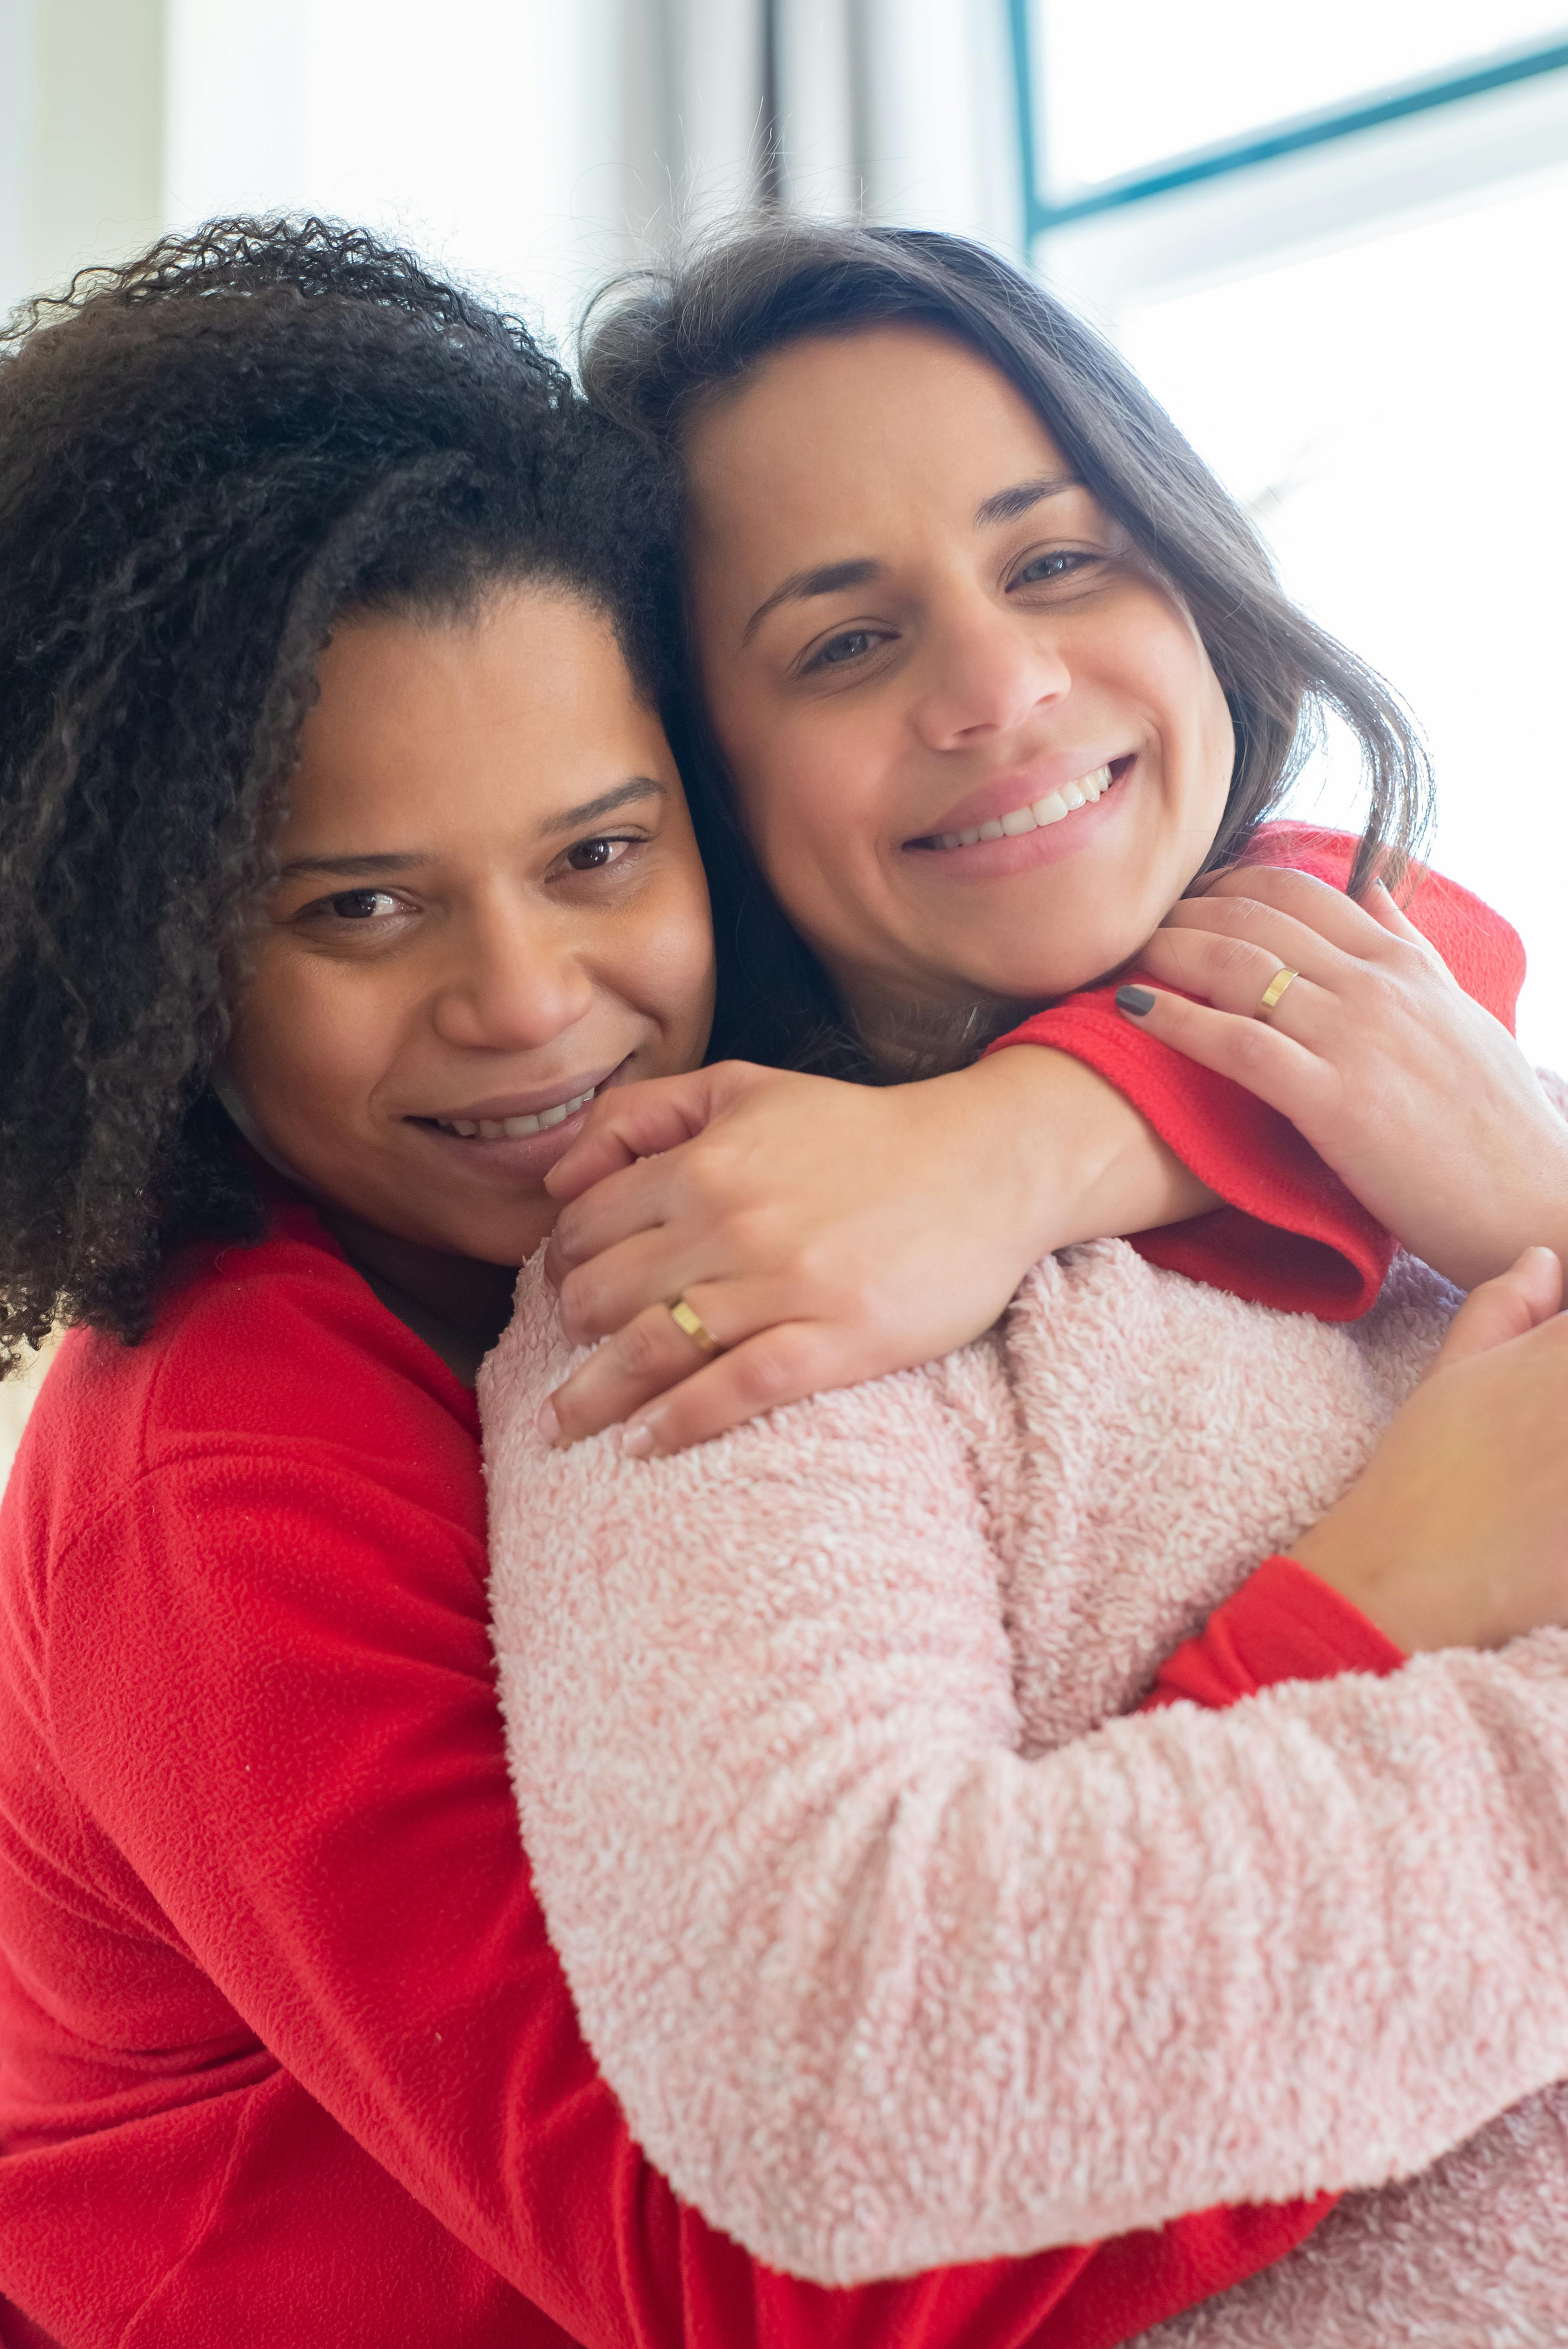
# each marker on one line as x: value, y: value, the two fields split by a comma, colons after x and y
x: 1274, y: 990
x: 695, y: 1328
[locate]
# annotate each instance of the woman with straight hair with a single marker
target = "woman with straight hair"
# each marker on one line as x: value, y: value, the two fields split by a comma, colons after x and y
x: 940, y: 1974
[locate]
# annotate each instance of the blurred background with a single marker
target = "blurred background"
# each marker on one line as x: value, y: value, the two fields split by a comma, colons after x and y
x: 1334, y: 240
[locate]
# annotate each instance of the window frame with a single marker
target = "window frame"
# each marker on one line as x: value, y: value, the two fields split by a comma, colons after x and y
x: 1294, y: 135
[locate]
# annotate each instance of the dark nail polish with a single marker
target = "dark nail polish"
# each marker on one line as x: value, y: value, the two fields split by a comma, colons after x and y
x: 1136, y: 1000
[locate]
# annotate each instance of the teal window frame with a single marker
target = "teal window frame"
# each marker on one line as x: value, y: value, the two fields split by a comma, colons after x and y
x: 1289, y: 137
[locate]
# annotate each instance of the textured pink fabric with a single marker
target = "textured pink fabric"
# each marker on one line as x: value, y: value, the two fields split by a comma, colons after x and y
x: 901, y: 1950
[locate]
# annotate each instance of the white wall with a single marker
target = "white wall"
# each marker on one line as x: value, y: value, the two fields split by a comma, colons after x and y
x: 81, y: 136
x: 489, y: 132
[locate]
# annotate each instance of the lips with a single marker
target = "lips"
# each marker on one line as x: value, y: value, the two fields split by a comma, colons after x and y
x: 1025, y: 798
x: 513, y: 1117
x: 514, y: 1129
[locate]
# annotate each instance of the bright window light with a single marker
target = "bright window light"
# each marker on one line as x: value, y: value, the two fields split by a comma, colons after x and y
x: 1392, y: 413
x: 1123, y: 86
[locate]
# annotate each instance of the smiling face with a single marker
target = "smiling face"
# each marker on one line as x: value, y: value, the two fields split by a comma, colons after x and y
x: 979, y: 748
x: 491, y: 907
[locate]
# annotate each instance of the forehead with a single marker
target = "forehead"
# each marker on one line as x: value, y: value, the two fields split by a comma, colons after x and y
x: 839, y: 428
x: 485, y: 715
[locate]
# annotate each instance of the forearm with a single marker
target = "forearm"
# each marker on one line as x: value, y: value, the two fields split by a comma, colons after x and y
x: 1084, y: 1163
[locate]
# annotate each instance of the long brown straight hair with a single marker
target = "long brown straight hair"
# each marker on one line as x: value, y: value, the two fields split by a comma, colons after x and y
x: 659, y: 345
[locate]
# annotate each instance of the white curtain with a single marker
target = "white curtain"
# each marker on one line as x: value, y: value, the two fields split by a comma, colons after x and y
x: 535, y: 145
x: 893, y: 109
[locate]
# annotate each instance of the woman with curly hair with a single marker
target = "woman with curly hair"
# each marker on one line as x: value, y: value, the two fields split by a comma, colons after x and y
x: 336, y: 813
x: 336, y: 801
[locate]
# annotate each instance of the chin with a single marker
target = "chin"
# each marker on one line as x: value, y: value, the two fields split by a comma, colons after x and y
x: 1026, y: 983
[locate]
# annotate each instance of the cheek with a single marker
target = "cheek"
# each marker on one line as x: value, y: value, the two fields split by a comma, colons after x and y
x: 1216, y: 744
x: 812, y: 798
x: 665, y: 958
x: 307, y: 1051
x: 1176, y: 676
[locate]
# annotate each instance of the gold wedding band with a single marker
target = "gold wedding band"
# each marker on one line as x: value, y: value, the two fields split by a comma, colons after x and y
x: 1271, y: 993
x: 695, y: 1328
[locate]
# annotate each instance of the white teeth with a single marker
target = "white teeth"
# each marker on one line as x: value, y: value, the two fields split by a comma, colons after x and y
x: 513, y: 1129
x: 1049, y: 810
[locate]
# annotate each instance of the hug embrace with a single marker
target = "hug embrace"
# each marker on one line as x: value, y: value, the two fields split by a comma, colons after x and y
x: 796, y: 1576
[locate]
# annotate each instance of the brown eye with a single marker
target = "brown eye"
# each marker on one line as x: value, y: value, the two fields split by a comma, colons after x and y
x: 358, y: 905
x: 591, y: 855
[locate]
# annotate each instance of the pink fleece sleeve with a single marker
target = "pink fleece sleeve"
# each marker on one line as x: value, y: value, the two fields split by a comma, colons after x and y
x: 878, y: 1994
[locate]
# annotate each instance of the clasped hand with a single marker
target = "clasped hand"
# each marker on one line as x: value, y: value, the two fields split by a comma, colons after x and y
x: 824, y: 1232
x: 827, y: 1233
x: 1416, y: 1096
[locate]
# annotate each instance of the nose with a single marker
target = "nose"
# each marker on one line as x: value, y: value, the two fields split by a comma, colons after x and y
x: 985, y: 669
x: 511, y: 984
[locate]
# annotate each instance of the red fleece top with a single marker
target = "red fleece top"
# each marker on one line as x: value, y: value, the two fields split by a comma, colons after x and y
x: 285, y: 2053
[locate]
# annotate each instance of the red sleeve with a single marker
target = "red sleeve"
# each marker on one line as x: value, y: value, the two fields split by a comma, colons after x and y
x: 1282, y: 1624
x: 1292, y: 1236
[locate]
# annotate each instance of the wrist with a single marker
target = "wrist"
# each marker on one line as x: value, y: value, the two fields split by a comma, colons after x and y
x: 1418, y: 1611
x: 1018, y: 1123
x: 1094, y: 1164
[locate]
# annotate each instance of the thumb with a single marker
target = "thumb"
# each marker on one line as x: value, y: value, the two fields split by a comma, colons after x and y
x: 1520, y: 1299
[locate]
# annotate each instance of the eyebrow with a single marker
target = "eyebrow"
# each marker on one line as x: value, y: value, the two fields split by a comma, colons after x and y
x: 638, y: 787
x: 824, y: 579
x: 377, y: 867
x: 350, y: 868
x: 1008, y: 504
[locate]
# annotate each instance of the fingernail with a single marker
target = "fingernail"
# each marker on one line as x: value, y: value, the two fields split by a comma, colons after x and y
x: 1136, y: 1000
x: 548, y: 1425
x: 638, y: 1441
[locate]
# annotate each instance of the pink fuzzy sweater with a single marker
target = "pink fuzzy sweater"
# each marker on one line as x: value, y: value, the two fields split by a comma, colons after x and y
x: 902, y: 1949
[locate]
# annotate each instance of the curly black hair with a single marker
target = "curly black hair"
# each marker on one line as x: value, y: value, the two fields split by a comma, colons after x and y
x: 204, y: 458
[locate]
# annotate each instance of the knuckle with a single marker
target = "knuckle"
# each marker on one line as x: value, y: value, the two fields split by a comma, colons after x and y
x: 711, y: 1174
x: 567, y: 1239
x: 753, y: 1236
x: 576, y: 1303
x: 1251, y: 1049
x: 1415, y: 961
x: 1237, y: 958
x: 764, y: 1374
x: 642, y: 1349
x: 577, y: 1414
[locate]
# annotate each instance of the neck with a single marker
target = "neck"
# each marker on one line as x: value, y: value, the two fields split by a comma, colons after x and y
x: 456, y: 1304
